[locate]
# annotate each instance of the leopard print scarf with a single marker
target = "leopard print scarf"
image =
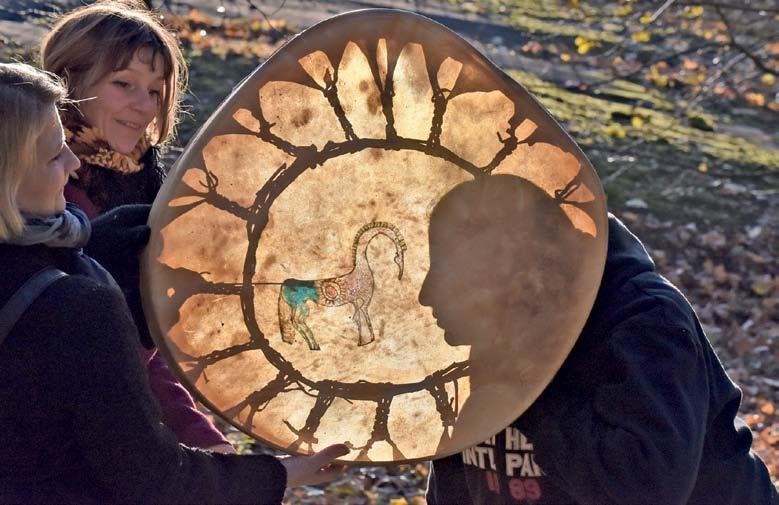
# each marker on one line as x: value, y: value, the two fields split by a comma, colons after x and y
x: 87, y: 143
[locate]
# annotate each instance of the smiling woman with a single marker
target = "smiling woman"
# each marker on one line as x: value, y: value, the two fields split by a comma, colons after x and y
x: 126, y: 101
x: 125, y: 72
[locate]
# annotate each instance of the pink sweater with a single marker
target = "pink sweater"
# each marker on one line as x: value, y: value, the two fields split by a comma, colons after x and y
x: 192, y: 427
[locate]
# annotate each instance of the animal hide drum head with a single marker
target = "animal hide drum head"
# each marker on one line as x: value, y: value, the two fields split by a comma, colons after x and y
x: 379, y: 239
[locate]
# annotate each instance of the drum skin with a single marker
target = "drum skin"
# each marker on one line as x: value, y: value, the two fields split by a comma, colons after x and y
x: 378, y: 239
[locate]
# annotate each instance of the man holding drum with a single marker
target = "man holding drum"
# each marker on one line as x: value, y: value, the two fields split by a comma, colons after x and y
x: 641, y: 411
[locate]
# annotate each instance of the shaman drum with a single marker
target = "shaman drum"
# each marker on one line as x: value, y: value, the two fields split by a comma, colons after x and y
x: 379, y: 239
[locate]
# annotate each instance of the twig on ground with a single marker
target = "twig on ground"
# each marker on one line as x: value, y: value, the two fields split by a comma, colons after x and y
x: 659, y: 12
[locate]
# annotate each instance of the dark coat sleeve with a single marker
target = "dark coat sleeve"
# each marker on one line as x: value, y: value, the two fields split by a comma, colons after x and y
x: 447, y: 482
x: 131, y: 455
x: 638, y: 437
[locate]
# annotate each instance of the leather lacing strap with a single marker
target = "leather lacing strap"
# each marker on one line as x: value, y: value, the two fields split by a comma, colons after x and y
x: 24, y: 296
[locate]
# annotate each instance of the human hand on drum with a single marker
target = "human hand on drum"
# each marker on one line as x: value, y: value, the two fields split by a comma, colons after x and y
x: 222, y: 448
x: 315, y: 469
x: 118, y: 236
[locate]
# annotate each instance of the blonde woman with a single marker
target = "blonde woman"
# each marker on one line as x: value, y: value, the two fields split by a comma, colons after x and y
x: 78, y: 423
x: 127, y: 72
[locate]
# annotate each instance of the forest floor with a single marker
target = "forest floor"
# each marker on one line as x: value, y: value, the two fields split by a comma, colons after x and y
x: 692, y: 169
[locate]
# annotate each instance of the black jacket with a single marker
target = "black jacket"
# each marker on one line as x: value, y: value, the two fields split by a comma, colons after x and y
x: 99, y: 190
x: 108, y: 189
x: 78, y: 423
x: 641, y: 411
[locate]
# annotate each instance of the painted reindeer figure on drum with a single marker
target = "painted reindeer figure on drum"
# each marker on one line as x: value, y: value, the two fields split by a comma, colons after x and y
x: 355, y: 287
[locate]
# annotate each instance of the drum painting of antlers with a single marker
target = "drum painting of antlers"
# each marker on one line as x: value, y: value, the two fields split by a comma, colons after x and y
x: 355, y: 288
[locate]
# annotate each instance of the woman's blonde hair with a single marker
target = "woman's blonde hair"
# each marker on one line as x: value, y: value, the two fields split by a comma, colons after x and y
x: 26, y: 97
x: 90, y: 42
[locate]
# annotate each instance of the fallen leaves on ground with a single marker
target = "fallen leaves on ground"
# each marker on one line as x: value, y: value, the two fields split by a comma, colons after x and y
x: 251, y: 37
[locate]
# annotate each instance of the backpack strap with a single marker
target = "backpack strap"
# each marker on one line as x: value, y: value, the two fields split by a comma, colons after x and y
x: 24, y: 296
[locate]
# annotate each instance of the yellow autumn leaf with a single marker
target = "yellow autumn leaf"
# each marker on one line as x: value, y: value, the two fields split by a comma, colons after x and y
x: 694, y: 79
x: 645, y: 19
x: 721, y: 275
x: 755, y: 99
x: 398, y: 501
x: 703, y: 167
x: 656, y: 77
x: 693, y: 11
x: 768, y: 79
x: 574, y: 4
x: 641, y: 36
x: 637, y: 121
x: 623, y: 10
x: 584, y: 45
x: 761, y: 287
x: 615, y: 130
x: 661, y: 81
x: 343, y: 490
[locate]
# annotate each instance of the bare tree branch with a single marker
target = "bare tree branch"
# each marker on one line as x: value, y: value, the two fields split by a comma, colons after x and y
x: 740, y: 47
x: 254, y: 6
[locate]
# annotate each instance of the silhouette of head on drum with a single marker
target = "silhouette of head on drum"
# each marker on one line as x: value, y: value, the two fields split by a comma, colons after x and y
x: 491, y: 241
